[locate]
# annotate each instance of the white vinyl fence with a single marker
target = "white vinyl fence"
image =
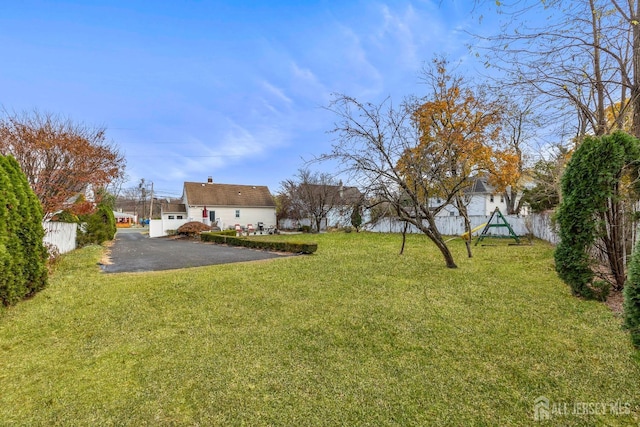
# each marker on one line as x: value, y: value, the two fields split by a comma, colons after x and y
x: 62, y: 235
x: 539, y: 225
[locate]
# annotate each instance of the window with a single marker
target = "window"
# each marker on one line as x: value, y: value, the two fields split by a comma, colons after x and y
x: 491, y: 198
x: 237, y: 213
x: 178, y: 216
x: 501, y: 199
x: 172, y: 217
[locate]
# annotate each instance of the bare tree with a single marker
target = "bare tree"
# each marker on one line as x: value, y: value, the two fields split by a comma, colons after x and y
x: 512, y: 152
x: 583, y: 56
x: 285, y: 208
x: 312, y: 195
x: 371, y: 139
x: 547, y: 173
x: 60, y: 158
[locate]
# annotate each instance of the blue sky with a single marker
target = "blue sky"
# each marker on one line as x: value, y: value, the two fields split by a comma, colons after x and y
x: 229, y: 89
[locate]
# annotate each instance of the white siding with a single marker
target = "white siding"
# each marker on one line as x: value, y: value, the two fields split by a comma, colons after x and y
x: 478, y: 205
x: 226, y: 216
x: 194, y: 213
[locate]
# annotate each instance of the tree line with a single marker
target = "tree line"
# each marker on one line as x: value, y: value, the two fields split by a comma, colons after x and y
x: 50, y: 167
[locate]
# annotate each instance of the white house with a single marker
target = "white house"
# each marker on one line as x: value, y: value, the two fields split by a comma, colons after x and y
x: 483, y: 199
x: 347, y: 198
x: 223, y: 205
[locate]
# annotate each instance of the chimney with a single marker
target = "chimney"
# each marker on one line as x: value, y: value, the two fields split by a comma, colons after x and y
x: 210, y: 180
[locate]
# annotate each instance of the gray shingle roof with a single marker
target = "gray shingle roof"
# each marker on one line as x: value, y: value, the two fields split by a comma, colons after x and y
x: 480, y: 185
x: 174, y: 208
x: 343, y: 195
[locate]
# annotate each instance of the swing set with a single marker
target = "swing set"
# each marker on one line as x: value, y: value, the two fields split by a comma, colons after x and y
x: 499, y: 223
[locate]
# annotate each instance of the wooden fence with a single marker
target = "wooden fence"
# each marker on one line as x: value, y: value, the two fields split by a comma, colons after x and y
x: 62, y: 235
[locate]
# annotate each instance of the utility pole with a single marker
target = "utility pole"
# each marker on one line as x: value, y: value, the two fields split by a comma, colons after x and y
x: 151, y: 202
x: 143, y: 196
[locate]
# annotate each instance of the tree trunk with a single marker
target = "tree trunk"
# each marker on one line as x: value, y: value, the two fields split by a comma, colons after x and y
x: 614, y: 244
x: 444, y: 249
x: 613, y: 249
x: 404, y: 236
x: 514, y: 205
x: 635, y: 61
x: 462, y: 208
x: 601, y: 120
x: 434, y: 235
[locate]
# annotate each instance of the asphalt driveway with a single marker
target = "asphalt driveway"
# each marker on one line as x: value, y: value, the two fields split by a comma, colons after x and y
x: 133, y: 251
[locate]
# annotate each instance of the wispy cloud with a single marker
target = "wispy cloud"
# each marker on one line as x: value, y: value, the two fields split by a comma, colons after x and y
x: 362, y: 74
x: 207, y: 99
x: 400, y: 27
x: 276, y: 92
x: 306, y: 84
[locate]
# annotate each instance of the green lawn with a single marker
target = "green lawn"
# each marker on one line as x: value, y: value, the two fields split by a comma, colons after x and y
x: 352, y: 335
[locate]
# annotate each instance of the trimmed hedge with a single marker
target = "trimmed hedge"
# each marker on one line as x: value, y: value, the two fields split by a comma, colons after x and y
x: 23, y: 256
x: 270, y: 245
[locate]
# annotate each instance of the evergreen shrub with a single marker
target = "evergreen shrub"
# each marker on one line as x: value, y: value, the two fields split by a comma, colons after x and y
x: 632, y: 298
x: 588, y: 185
x: 23, y: 256
x: 96, y: 228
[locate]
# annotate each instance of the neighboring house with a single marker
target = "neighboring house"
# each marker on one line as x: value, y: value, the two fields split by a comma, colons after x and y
x: 124, y: 220
x: 483, y: 199
x: 334, y: 203
x: 173, y: 215
x: 80, y: 203
x: 140, y: 207
x: 348, y: 198
x: 221, y: 205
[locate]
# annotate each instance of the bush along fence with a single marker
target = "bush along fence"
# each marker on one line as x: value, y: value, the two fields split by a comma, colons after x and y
x: 293, y: 247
